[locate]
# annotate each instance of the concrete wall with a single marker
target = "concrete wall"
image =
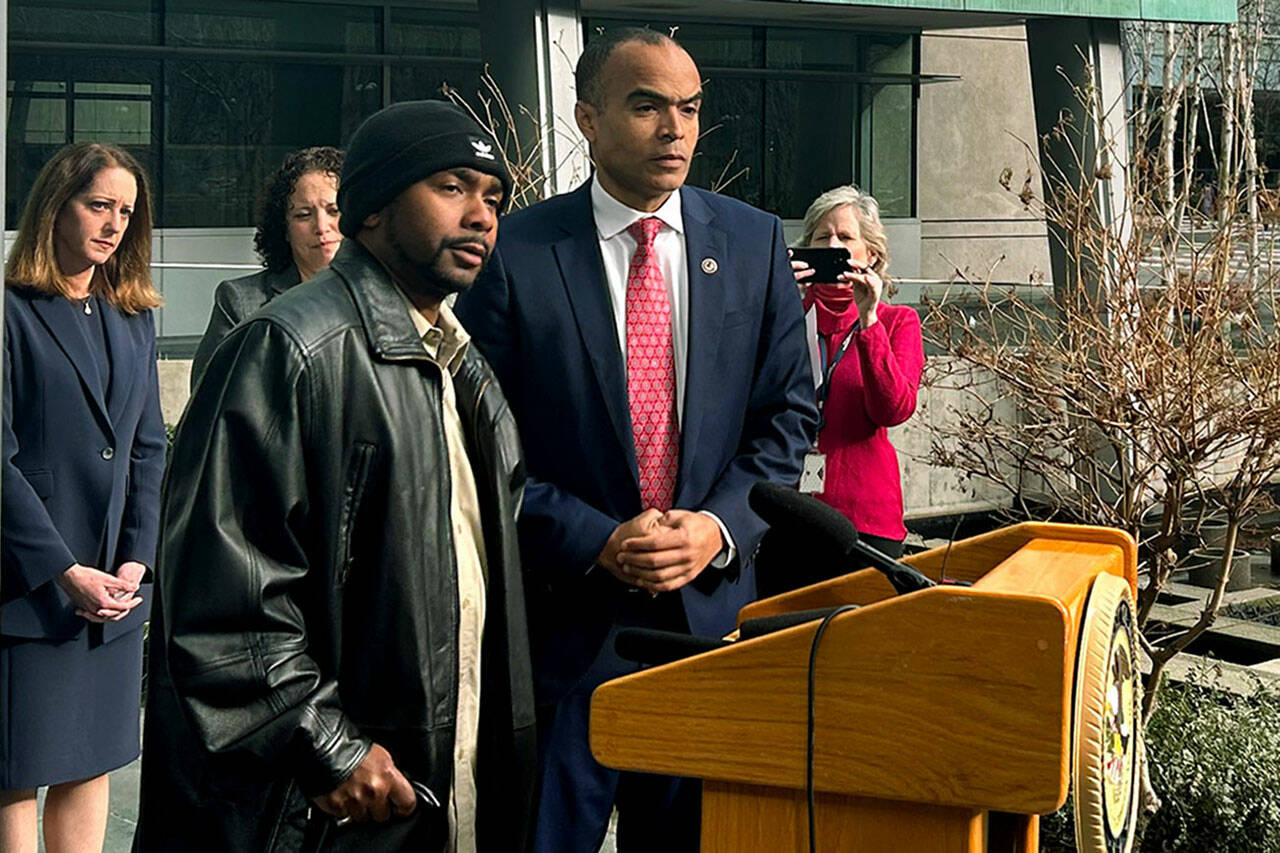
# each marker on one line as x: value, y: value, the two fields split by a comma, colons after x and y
x: 969, y: 131
x: 931, y: 490
x: 175, y: 377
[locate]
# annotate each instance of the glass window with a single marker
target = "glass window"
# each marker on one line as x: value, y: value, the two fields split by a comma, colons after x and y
x: 792, y: 112
x: 888, y: 128
x: 730, y: 154
x: 141, y: 90
x: 452, y: 36
x: 116, y: 113
x: 44, y: 87
x: 229, y: 124
x: 35, y: 120
x: 716, y: 44
x: 812, y: 50
x: 103, y: 21
x: 211, y: 128
x: 810, y: 143
x: 314, y: 27
x: 54, y: 100
x: 114, y: 122
x: 429, y: 32
x: 419, y: 82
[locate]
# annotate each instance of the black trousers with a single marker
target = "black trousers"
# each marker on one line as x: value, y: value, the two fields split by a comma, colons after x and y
x: 577, y: 794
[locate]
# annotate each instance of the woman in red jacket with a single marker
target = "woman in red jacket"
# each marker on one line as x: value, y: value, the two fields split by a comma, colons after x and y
x: 867, y: 369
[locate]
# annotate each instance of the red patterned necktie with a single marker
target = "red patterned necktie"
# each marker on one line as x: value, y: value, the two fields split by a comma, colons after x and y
x: 651, y: 371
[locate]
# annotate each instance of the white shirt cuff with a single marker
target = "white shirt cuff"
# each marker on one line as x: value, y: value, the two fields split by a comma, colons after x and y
x: 729, y: 551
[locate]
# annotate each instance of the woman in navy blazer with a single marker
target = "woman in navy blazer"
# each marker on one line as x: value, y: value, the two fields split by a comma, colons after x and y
x: 83, y: 456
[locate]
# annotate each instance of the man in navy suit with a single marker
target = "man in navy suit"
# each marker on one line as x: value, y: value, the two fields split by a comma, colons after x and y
x: 650, y: 340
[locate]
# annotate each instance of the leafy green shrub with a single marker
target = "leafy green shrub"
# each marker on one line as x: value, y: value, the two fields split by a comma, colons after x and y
x: 1215, y: 764
x: 1058, y: 831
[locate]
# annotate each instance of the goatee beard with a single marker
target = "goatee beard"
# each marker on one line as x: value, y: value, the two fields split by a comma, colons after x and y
x: 430, y: 282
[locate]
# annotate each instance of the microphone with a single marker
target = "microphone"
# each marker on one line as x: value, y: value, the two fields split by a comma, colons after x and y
x: 761, y: 625
x: 805, y: 516
x: 652, y: 647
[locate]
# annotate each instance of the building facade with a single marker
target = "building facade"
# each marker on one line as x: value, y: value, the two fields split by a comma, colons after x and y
x: 922, y: 103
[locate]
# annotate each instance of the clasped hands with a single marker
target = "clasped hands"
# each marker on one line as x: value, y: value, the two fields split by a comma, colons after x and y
x: 100, y: 596
x: 661, y: 551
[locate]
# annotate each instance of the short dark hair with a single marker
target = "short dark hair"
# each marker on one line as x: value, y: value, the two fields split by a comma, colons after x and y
x: 270, y: 238
x: 586, y: 76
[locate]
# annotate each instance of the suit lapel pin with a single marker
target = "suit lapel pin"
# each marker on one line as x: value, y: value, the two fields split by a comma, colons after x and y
x: 709, y: 266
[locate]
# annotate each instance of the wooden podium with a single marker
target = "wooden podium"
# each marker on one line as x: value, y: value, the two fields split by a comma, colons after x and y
x: 943, y: 718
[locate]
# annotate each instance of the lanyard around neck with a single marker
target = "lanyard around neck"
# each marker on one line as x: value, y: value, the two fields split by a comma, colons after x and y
x: 829, y: 370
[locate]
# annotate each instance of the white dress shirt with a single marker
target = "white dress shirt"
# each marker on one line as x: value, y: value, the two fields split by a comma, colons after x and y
x: 612, y: 219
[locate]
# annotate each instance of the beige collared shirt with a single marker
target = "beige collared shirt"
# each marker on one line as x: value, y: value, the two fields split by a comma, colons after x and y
x: 446, y: 342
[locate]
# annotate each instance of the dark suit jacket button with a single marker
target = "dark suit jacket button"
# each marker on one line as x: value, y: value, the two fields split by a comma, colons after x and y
x: 108, y: 453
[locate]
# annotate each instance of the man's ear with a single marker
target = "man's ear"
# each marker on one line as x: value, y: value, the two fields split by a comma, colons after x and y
x: 585, y: 114
x: 374, y: 220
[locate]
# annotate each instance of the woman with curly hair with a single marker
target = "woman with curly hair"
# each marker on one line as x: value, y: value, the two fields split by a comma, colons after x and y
x: 297, y: 236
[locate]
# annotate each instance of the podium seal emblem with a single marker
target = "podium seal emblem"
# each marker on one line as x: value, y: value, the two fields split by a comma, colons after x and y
x: 1108, y: 725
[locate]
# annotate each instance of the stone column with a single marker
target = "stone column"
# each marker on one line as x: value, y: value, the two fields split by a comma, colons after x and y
x: 1075, y: 60
x: 531, y: 48
x: 1096, y: 144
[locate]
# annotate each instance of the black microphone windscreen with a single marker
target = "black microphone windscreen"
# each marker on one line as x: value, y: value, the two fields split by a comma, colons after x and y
x: 784, y: 507
x: 798, y: 514
x: 648, y: 646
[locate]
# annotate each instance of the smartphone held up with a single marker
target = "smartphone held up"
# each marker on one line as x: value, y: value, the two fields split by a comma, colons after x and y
x: 826, y: 263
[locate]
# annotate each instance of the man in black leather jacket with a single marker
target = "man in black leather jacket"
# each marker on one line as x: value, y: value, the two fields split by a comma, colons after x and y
x: 338, y: 651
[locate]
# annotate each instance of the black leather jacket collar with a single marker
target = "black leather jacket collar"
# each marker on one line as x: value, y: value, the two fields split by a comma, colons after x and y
x: 380, y: 305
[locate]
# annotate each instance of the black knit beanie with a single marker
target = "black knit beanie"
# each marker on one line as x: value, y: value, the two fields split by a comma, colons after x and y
x: 404, y: 143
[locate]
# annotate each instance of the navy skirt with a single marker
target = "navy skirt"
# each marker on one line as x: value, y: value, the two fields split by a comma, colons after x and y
x: 68, y: 709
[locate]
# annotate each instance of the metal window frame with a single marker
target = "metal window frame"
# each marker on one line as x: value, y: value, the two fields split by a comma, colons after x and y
x: 160, y: 52
x: 915, y: 79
